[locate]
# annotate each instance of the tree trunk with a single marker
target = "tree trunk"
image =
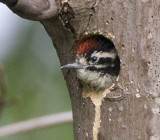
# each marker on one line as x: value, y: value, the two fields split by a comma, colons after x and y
x: 133, y: 26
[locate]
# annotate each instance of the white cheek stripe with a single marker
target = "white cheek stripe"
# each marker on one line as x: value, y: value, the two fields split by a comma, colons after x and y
x: 100, y: 66
x: 104, y: 54
x: 104, y: 66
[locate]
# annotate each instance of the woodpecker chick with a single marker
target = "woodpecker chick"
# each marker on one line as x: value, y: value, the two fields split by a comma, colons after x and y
x: 97, y: 62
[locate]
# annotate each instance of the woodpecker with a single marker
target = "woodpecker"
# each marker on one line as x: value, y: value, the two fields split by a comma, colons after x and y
x: 97, y: 62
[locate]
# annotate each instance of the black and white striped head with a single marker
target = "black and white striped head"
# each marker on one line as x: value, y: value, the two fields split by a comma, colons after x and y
x: 97, y: 62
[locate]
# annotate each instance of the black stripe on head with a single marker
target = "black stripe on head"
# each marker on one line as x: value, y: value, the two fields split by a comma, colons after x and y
x: 104, y: 60
x: 112, y: 69
x: 104, y: 45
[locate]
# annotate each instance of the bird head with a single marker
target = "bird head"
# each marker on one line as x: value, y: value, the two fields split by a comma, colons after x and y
x: 97, y: 62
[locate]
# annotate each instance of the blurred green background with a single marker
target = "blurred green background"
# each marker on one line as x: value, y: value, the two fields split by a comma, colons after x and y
x: 35, y: 80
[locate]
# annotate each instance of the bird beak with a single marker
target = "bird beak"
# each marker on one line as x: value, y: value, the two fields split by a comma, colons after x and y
x: 74, y: 66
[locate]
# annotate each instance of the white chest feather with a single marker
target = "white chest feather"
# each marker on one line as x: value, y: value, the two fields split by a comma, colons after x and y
x: 94, y: 79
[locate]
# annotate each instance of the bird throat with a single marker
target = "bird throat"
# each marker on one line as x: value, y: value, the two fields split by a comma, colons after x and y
x: 95, y: 80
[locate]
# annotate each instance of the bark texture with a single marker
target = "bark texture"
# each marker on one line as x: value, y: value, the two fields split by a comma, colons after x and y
x: 134, y: 27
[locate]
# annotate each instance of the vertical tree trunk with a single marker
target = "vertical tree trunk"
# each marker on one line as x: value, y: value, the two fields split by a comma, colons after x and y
x: 134, y: 28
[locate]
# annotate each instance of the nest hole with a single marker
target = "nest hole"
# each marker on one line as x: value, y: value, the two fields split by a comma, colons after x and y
x: 101, y: 57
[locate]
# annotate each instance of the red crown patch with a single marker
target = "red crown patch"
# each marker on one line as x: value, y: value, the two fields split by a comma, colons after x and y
x: 87, y: 45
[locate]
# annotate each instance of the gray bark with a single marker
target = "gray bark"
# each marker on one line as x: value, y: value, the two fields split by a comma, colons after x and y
x: 134, y: 27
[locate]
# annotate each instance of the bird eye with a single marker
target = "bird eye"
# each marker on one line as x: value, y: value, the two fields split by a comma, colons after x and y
x: 93, y: 59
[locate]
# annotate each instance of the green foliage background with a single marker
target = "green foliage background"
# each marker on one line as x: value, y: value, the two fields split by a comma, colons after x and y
x: 34, y: 78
